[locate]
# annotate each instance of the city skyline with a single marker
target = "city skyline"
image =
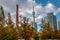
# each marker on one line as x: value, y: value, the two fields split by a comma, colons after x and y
x: 29, y: 20
x: 25, y: 8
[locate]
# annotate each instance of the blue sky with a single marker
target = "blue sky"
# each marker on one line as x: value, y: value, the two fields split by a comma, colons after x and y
x: 42, y: 7
x: 44, y: 2
x: 54, y: 2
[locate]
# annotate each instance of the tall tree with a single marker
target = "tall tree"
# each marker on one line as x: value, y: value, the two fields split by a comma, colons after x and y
x: 46, y: 31
x: 28, y: 31
x: 2, y: 32
x: 10, y: 34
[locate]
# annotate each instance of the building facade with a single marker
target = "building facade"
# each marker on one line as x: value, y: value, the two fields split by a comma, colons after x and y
x: 51, y: 19
x: 59, y: 24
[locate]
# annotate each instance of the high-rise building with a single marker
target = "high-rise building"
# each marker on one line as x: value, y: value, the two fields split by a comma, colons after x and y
x: 1, y: 15
x: 51, y: 19
x: 42, y: 23
x: 59, y: 24
x: 55, y: 20
x: 10, y: 23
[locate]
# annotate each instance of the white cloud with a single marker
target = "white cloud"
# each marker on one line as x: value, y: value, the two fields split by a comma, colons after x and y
x: 39, y: 17
x: 25, y: 8
x: 57, y: 11
x: 50, y: 8
x: 39, y: 9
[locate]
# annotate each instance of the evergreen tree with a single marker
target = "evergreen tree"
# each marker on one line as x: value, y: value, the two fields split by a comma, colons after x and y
x: 46, y: 31
x: 28, y: 31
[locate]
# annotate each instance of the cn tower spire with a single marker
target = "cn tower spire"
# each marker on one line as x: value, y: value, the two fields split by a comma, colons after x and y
x: 34, y: 23
x: 33, y: 15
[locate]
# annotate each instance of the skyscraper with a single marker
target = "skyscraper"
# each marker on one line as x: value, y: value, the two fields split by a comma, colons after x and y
x: 59, y: 24
x: 42, y: 23
x: 1, y: 15
x: 51, y: 19
x: 9, y: 23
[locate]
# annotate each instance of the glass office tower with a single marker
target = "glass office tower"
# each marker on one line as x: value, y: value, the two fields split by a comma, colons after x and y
x: 59, y: 24
x: 51, y: 19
